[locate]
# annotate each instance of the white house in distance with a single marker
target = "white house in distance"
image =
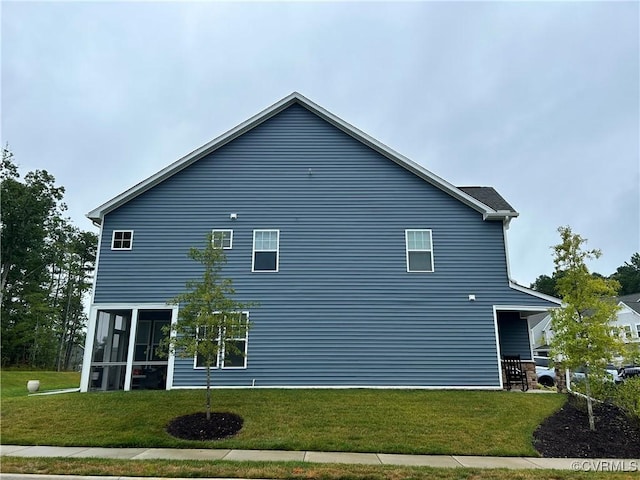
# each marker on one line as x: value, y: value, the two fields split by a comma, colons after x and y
x: 627, y: 320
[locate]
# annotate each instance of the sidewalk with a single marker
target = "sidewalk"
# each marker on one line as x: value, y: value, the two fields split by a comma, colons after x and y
x: 451, y: 461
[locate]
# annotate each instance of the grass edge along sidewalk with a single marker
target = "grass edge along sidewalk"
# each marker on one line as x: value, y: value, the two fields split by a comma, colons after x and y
x: 438, y: 422
x: 572, y: 468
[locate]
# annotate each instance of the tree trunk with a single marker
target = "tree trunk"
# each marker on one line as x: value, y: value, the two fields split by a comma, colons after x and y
x: 3, y: 279
x: 65, y: 319
x: 209, y: 391
x: 592, y: 422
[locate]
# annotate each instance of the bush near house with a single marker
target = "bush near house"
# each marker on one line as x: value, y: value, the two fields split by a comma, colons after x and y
x: 625, y: 395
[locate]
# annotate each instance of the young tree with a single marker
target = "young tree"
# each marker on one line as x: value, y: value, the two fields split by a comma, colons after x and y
x: 210, y: 320
x: 583, y: 331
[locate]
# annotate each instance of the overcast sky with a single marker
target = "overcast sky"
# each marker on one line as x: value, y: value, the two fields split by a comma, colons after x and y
x: 539, y: 100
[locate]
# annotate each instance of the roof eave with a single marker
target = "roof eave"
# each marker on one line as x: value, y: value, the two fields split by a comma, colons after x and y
x: 505, y: 215
x: 534, y: 293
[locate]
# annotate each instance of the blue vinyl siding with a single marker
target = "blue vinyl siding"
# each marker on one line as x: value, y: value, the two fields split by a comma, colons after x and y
x: 514, y: 335
x: 342, y: 310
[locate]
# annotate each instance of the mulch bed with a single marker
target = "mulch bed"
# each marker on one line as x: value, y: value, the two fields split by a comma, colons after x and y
x: 566, y: 433
x: 197, y: 427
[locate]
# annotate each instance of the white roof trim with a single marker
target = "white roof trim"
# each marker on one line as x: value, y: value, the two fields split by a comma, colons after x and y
x: 627, y: 308
x: 532, y: 292
x: 98, y: 213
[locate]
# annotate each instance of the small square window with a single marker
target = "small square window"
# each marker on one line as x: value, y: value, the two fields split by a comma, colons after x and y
x: 419, y: 247
x: 122, y: 240
x: 222, y: 239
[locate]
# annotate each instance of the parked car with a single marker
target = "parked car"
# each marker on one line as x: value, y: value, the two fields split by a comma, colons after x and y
x: 546, y: 375
x: 629, y: 371
x: 612, y: 372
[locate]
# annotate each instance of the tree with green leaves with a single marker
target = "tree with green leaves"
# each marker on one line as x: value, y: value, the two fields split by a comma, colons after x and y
x: 546, y: 284
x: 583, y: 332
x: 628, y: 275
x: 45, y: 271
x: 210, y: 321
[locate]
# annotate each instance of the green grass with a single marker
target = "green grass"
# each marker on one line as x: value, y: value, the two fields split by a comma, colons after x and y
x: 14, y: 383
x: 388, y: 421
x: 283, y: 470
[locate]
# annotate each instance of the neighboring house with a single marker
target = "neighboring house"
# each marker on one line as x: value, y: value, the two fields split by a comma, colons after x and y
x: 627, y: 320
x: 629, y: 317
x: 366, y: 269
x: 539, y: 325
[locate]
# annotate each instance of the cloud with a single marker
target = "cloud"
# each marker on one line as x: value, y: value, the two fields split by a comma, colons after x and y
x: 540, y: 100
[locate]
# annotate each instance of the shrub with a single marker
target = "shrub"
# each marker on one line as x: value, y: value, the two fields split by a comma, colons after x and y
x: 627, y: 397
x: 601, y: 389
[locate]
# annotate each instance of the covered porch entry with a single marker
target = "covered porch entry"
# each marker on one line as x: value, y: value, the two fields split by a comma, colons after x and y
x: 514, y: 340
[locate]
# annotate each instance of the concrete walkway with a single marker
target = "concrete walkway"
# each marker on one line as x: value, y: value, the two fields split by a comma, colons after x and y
x: 451, y: 461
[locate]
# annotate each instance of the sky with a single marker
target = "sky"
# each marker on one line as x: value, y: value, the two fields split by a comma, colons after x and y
x: 540, y: 100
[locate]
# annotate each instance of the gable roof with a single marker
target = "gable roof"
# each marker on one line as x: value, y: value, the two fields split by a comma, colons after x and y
x: 632, y: 301
x: 482, y: 199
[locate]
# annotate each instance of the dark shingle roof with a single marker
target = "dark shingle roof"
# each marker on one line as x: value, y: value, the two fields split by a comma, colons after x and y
x: 489, y: 197
x: 632, y: 301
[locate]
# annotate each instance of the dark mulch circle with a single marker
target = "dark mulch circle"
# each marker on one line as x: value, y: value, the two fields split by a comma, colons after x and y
x: 566, y: 433
x: 197, y: 427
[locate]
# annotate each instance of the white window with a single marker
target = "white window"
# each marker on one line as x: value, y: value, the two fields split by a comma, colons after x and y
x: 626, y: 332
x: 122, y: 240
x: 638, y: 330
x: 266, y: 244
x: 233, y: 353
x: 419, y: 250
x: 222, y: 239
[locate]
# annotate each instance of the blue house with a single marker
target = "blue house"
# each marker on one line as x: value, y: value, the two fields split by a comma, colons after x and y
x: 366, y: 269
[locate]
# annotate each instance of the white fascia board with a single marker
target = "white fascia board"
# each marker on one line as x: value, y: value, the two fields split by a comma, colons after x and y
x: 533, y: 293
x: 98, y: 213
x: 500, y: 215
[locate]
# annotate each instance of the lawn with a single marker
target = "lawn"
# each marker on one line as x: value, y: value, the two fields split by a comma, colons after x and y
x: 13, y: 383
x: 357, y: 420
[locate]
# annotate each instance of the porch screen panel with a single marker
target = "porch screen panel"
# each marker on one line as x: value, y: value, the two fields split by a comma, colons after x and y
x: 110, y: 348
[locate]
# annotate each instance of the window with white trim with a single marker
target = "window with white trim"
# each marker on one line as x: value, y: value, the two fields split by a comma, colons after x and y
x: 232, y: 353
x: 419, y: 248
x: 266, y: 244
x: 122, y: 240
x: 626, y: 332
x: 638, y: 330
x: 222, y: 239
